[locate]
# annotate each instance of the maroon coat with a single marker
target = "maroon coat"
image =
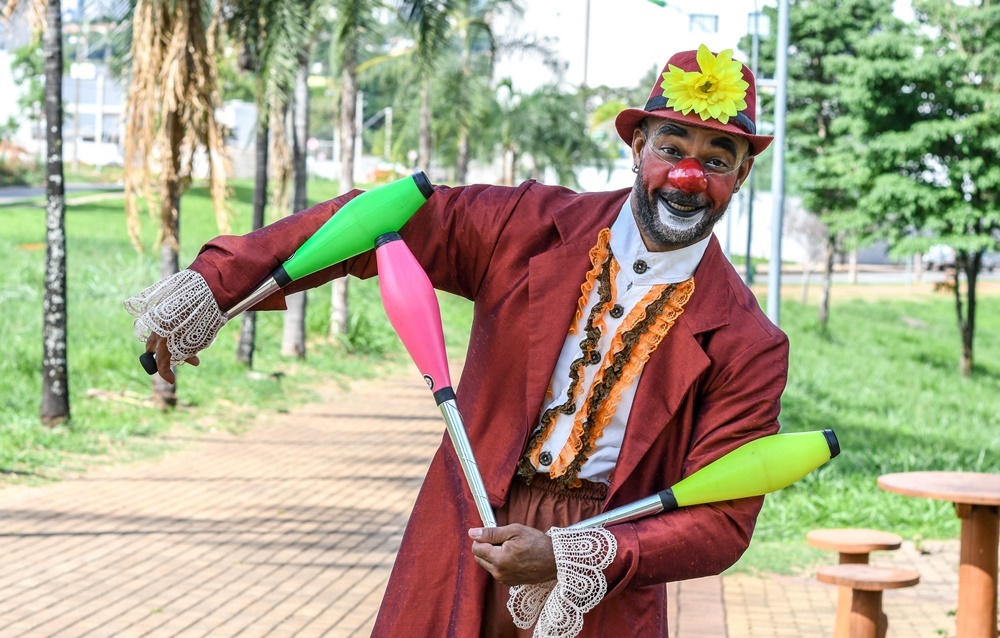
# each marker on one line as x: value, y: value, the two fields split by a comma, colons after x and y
x: 521, y: 254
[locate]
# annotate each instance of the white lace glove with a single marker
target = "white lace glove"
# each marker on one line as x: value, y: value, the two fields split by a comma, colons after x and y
x: 181, y: 308
x: 559, y: 605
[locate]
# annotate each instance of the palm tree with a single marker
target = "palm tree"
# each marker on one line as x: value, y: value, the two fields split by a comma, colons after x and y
x: 453, y: 53
x: 293, y: 341
x: 171, y: 106
x: 55, y: 375
x: 354, y: 28
x: 270, y: 34
x: 431, y: 24
x: 545, y: 129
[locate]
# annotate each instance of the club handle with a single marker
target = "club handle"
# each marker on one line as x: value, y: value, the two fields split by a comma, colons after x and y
x: 460, y: 440
x: 759, y: 467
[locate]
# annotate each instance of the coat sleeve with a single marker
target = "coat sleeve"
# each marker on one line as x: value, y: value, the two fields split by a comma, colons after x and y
x: 453, y: 236
x: 740, y: 404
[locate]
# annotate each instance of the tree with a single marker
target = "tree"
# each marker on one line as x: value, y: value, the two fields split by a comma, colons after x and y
x: 28, y: 69
x: 928, y: 109
x: 270, y: 34
x: 55, y: 373
x: 354, y: 28
x: 431, y: 27
x: 293, y: 340
x: 823, y: 33
x: 171, y: 106
x: 545, y: 129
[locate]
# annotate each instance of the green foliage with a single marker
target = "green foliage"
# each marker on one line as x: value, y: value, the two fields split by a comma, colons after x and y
x: 271, y: 36
x: 933, y: 102
x: 28, y: 68
x: 823, y: 155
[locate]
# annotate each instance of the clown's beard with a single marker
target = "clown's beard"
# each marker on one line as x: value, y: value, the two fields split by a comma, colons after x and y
x: 665, y: 230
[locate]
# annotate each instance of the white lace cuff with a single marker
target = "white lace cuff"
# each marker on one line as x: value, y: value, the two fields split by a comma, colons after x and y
x: 558, y: 605
x: 183, y: 309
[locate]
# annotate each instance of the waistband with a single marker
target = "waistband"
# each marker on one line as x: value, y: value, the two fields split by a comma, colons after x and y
x: 588, y: 491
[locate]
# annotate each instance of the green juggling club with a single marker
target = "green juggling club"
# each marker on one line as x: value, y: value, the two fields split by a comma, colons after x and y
x: 760, y: 467
x: 350, y: 232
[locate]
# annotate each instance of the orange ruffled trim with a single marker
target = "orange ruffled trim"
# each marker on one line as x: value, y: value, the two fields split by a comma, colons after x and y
x: 598, y: 255
x: 640, y: 354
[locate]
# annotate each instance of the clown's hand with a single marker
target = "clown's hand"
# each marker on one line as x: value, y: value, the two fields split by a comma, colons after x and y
x: 514, y: 554
x: 177, y: 317
x: 556, y: 608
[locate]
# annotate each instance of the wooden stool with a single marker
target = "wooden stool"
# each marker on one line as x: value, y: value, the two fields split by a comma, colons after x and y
x: 866, y: 582
x: 853, y: 545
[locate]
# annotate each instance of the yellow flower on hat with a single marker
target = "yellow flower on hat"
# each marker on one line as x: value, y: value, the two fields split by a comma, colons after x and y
x: 717, y: 90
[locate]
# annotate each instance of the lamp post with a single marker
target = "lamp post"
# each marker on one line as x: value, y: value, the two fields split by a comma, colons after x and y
x: 586, y: 44
x: 752, y: 191
x: 778, y: 168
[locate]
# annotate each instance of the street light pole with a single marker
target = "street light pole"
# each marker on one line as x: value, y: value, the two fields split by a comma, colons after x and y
x: 778, y: 169
x: 586, y: 43
x: 752, y: 192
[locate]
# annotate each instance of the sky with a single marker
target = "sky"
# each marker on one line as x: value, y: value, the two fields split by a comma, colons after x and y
x: 627, y: 37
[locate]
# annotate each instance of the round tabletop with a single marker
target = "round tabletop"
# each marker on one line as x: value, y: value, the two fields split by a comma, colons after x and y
x: 973, y: 488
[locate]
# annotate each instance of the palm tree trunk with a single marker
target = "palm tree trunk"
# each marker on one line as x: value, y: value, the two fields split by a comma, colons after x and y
x: 424, y: 142
x: 462, y: 161
x: 293, y: 338
x: 348, y: 129
x: 348, y: 132
x: 165, y: 394
x: 248, y: 329
x: 55, y: 378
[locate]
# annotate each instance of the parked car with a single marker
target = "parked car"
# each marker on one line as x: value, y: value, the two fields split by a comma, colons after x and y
x: 939, y: 257
x: 942, y: 257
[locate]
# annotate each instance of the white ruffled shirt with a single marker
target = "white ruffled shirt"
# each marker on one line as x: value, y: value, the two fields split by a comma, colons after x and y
x: 660, y: 268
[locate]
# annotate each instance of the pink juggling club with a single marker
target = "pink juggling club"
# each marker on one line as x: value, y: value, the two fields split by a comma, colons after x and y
x: 412, y: 308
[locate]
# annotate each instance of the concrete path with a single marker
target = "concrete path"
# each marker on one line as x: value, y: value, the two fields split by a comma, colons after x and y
x: 15, y: 194
x: 291, y: 530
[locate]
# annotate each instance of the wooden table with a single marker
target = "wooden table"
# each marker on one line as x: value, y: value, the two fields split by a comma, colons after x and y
x: 977, y: 502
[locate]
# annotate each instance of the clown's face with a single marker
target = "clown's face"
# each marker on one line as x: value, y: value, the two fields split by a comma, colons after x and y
x: 687, y: 175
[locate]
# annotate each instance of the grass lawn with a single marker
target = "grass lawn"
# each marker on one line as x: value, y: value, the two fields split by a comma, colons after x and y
x: 884, y: 376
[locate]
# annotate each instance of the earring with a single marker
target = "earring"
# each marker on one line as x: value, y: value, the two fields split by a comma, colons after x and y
x: 736, y: 190
x: 635, y: 168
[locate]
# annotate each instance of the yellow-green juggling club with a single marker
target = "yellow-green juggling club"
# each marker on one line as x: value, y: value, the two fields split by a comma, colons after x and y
x: 350, y: 232
x: 760, y: 467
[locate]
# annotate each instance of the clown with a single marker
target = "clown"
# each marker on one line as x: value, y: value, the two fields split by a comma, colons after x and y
x: 614, y: 351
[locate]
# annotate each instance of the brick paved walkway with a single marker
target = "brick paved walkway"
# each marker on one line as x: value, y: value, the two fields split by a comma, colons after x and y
x: 291, y: 529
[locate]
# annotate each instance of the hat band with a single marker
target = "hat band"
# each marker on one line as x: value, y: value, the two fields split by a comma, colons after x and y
x: 742, y: 120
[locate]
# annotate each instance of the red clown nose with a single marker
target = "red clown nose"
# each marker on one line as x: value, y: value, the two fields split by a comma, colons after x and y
x: 688, y: 176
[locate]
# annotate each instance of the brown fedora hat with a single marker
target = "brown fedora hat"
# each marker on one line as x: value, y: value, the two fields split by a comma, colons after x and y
x: 703, y: 89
